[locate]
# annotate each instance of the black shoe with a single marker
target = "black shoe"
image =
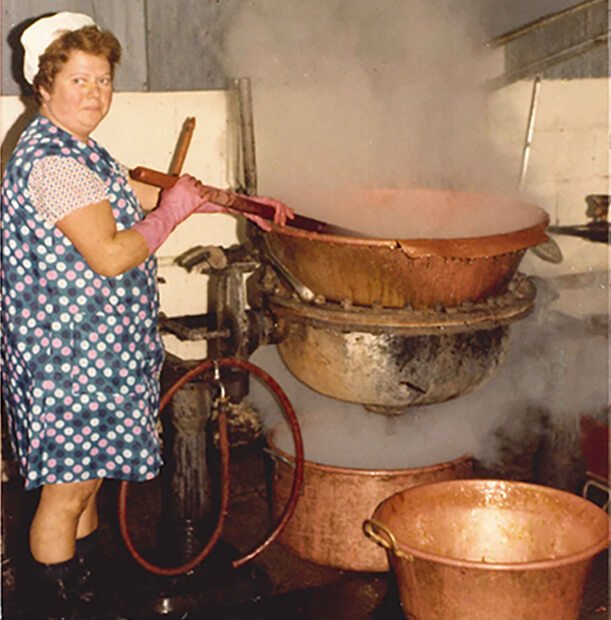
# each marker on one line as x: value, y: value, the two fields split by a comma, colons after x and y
x: 57, y: 597
x: 95, y: 598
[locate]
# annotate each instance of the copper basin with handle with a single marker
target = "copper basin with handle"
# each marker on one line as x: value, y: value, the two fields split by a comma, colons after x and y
x: 483, y: 549
x: 469, y: 251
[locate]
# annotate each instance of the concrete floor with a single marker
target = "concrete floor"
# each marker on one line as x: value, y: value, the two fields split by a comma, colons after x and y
x: 277, y: 585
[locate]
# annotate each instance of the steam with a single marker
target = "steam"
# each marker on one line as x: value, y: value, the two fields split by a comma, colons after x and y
x: 354, y: 94
x: 555, y: 371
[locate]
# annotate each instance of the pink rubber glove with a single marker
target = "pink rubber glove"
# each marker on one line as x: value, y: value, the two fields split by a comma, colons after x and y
x: 281, y: 215
x: 175, y: 205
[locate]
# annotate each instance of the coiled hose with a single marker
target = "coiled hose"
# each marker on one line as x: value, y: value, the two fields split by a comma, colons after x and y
x: 196, y: 371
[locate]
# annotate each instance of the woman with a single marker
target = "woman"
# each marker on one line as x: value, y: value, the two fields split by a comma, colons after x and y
x: 81, y: 350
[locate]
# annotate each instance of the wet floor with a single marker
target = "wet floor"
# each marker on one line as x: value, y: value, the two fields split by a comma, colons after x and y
x: 276, y: 585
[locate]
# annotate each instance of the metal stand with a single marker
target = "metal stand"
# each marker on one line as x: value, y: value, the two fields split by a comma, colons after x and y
x: 189, y: 479
x: 189, y: 498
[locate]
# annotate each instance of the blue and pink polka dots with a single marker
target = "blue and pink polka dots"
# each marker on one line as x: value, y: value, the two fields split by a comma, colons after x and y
x: 81, y: 352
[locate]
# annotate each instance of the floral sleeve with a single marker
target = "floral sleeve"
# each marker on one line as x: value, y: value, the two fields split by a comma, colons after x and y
x: 59, y: 186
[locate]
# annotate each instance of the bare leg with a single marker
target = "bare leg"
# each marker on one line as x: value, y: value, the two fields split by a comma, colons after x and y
x: 88, y: 521
x: 56, y: 522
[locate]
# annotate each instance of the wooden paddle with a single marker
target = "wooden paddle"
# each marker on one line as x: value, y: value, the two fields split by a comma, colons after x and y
x: 241, y: 203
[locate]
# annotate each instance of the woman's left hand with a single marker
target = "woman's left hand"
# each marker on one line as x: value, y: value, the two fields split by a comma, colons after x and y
x: 282, y: 212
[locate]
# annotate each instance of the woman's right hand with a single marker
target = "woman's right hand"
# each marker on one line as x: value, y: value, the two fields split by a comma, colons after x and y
x: 176, y: 204
x: 183, y: 198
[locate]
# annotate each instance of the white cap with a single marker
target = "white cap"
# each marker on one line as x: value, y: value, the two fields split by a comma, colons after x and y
x: 38, y: 36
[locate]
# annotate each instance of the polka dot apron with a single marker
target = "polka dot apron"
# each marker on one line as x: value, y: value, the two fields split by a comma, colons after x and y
x: 81, y: 353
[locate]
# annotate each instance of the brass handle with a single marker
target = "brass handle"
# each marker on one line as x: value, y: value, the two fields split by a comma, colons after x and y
x: 382, y: 535
x: 278, y: 457
x: 548, y: 251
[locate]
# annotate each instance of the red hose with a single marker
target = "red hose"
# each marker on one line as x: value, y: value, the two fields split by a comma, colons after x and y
x: 196, y: 371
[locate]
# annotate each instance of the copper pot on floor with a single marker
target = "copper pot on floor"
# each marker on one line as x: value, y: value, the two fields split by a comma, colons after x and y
x: 483, y: 549
x: 327, y: 525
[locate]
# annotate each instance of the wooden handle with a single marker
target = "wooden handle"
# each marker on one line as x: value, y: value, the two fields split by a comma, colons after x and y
x: 241, y: 203
x: 218, y: 196
x: 153, y: 177
x: 182, y: 146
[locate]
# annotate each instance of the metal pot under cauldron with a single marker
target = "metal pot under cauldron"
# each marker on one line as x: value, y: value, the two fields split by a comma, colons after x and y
x: 389, y: 360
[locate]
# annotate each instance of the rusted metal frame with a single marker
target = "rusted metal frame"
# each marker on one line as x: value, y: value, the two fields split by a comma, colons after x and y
x: 486, y: 315
x: 182, y: 332
x: 422, y: 329
x: 548, y: 61
x: 540, y: 23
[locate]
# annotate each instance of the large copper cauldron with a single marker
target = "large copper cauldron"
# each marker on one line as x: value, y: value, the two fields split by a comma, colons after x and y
x: 483, y: 549
x: 419, y: 272
x: 327, y: 525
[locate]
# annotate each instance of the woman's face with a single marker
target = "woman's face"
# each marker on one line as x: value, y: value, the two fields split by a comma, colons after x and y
x: 81, y: 94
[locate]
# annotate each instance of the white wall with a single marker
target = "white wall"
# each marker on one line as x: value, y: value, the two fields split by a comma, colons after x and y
x: 569, y: 159
x: 569, y: 154
x: 142, y: 129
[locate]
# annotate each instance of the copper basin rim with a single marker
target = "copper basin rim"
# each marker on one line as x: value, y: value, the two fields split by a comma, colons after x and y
x: 455, y: 247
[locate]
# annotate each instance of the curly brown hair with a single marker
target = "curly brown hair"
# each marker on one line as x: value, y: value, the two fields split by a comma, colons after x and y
x: 89, y: 39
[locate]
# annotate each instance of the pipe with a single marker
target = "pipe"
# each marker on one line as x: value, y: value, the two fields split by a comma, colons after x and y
x: 304, y: 293
x: 549, y: 250
x: 530, y: 131
x: 182, y: 332
x: 196, y: 371
x: 247, y: 134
